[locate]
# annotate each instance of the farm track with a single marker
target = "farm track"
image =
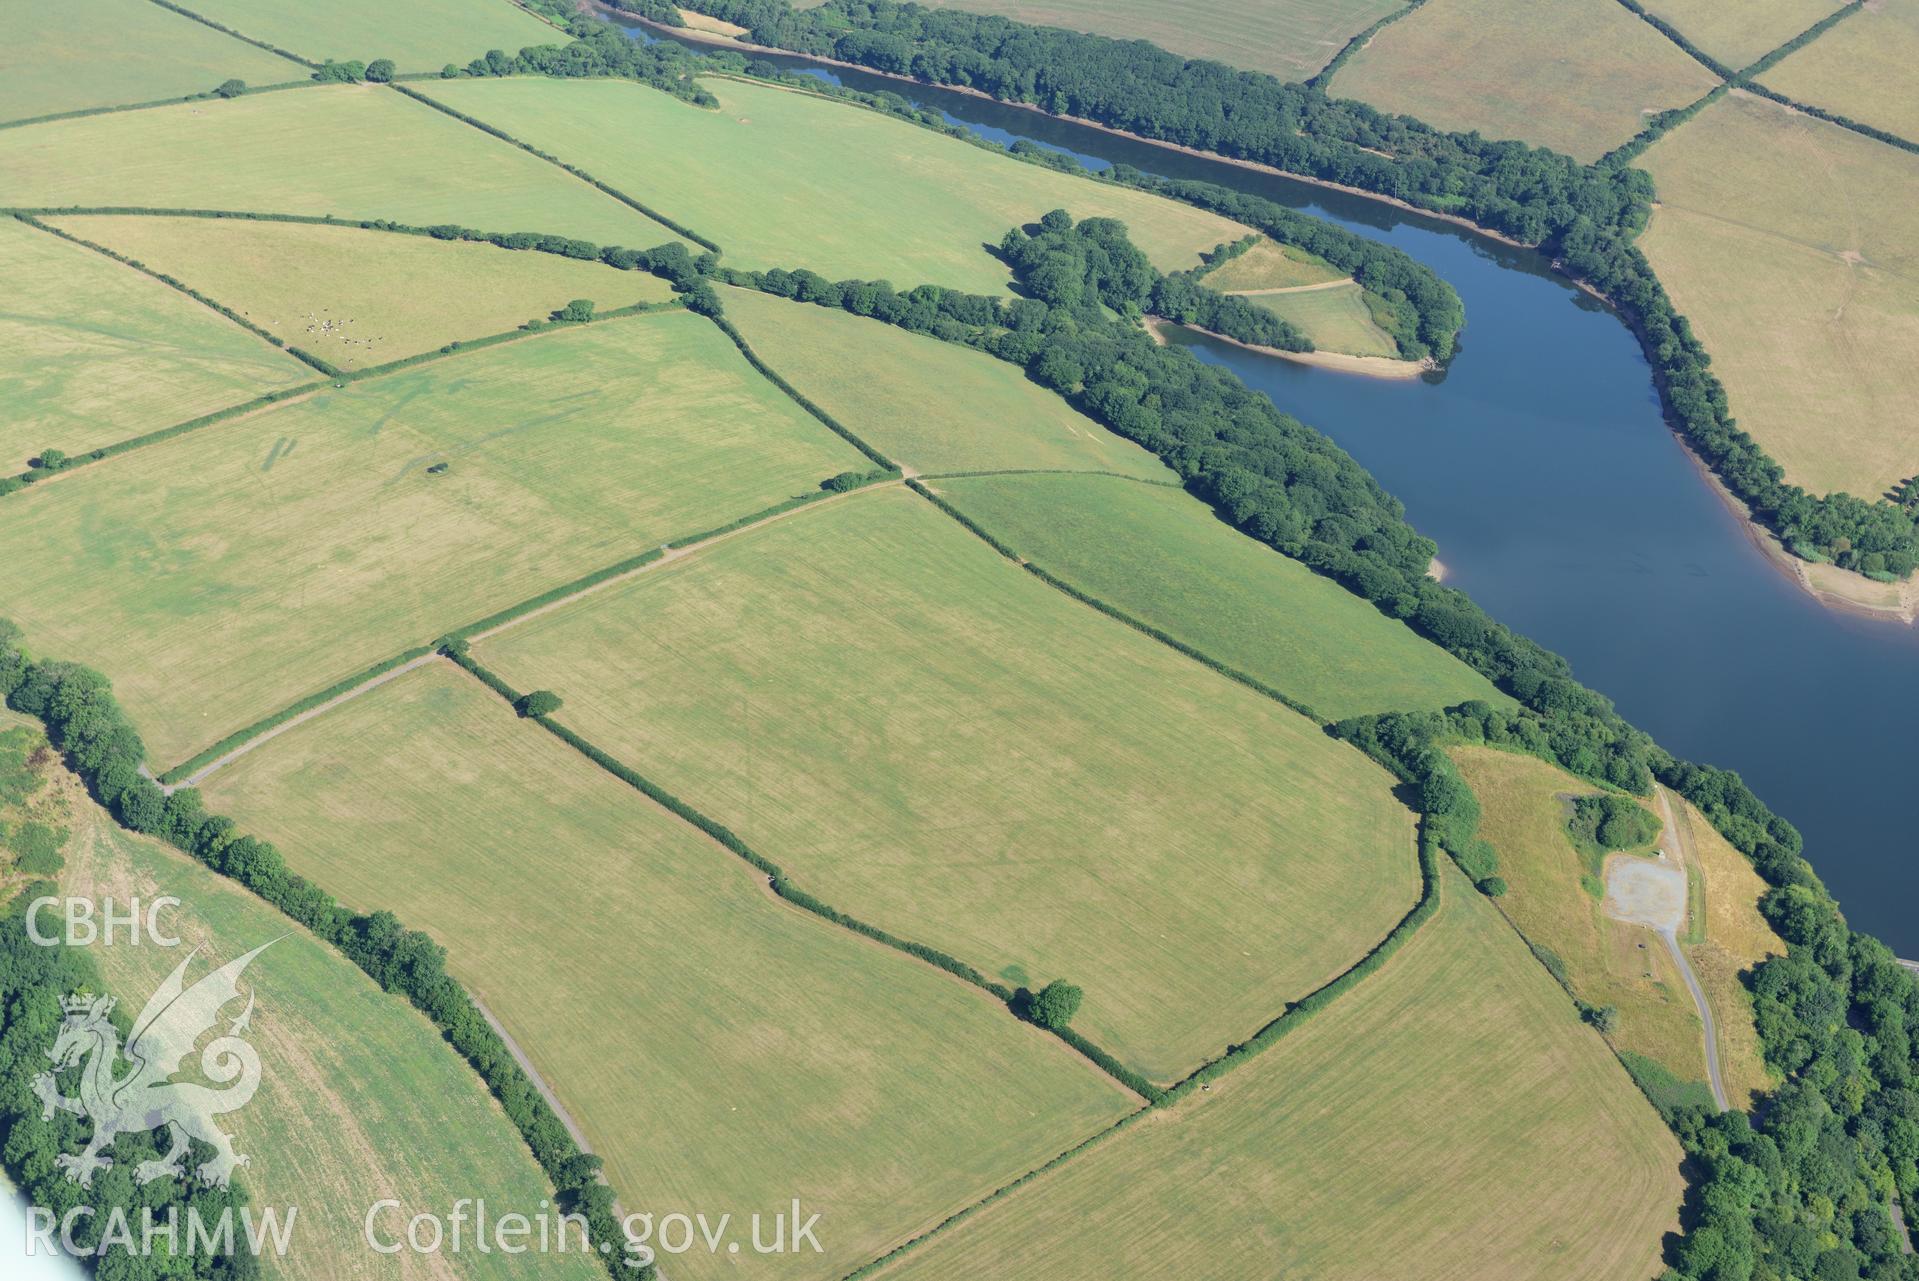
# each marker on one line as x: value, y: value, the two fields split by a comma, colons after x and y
x: 1679, y: 840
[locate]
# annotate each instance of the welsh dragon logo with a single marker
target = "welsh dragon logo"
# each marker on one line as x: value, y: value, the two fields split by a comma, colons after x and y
x: 145, y: 1098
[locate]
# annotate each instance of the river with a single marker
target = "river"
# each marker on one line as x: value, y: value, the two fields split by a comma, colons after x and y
x: 1541, y: 463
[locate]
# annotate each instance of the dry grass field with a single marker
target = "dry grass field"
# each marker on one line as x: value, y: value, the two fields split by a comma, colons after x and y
x: 1335, y: 318
x: 936, y: 742
x: 787, y: 179
x: 109, y: 53
x: 1448, y: 1120
x: 1579, y: 76
x: 224, y: 574
x: 420, y: 35
x: 1271, y: 265
x: 1862, y: 69
x: 1290, y: 38
x: 1793, y: 247
x: 358, y: 298
x: 356, y: 151
x: 932, y: 405
x: 1608, y: 961
x: 93, y: 352
x: 1740, y: 34
x: 360, y: 1098
x: 1164, y: 557
x: 723, y: 1051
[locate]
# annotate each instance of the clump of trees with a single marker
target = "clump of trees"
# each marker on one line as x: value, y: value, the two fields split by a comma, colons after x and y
x: 1608, y: 822
x: 230, y: 88
x: 1054, y: 1005
x: 541, y: 702
x: 342, y: 73
x: 578, y: 311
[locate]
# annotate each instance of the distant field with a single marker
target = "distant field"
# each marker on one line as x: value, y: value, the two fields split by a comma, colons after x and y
x: 1740, y: 34
x: 360, y: 1097
x: 1269, y: 265
x: 1607, y: 961
x: 930, y: 404
x: 786, y: 179
x: 225, y: 574
x: 1579, y: 76
x: 700, y: 1031
x: 92, y: 352
x: 936, y: 742
x: 1290, y: 38
x: 357, y: 298
x: 1447, y: 1119
x: 1162, y: 556
x: 358, y: 152
x: 109, y: 53
x: 1336, y: 319
x: 1862, y: 69
x: 1793, y: 247
x: 420, y: 35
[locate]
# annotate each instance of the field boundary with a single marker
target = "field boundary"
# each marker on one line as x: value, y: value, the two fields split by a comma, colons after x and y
x: 799, y: 398
x: 209, y: 96
x: 1050, y: 471
x: 304, y: 357
x: 1323, y: 78
x: 493, y: 131
x: 205, y: 21
x: 782, y: 885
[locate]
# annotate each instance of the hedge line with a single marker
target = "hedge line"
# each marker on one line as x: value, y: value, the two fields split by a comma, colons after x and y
x: 511, y: 612
x: 209, y: 95
x: 799, y: 398
x: 1659, y: 126
x: 1673, y: 34
x: 207, y: 756
x: 776, y: 876
x: 82, y: 717
x: 1834, y: 118
x: 1800, y: 41
x: 1049, y: 471
x: 304, y: 357
x: 660, y: 218
x: 225, y: 30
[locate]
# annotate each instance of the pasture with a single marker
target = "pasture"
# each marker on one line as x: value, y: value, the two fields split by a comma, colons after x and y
x: 354, y: 151
x: 1861, y: 68
x: 421, y: 35
x: 224, y: 574
x: 1290, y: 38
x: 358, y: 298
x: 1271, y: 265
x: 1609, y: 962
x: 360, y: 1098
x: 1449, y: 1118
x: 1165, y: 558
x: 787, y: 179
x: 1739, y: 35
x: 109, y: 53
x: 1335, y: 318
x: 932, y: 405
x: 723, y: 1051
x: 1579, y: 76
x: 92, y: 352
x: 938, y: 743
x: 1793, y: 247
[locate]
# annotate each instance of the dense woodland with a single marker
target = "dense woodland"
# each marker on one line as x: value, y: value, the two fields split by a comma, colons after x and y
x: 1586, y: 216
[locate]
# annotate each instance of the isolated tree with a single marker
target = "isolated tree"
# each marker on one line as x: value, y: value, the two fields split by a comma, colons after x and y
x: 380, y: 70
x: 541, y: 702
x: 1054, y: 1005
x: 1493, y: 886
x: 231, y: 88
x: 1606, y: 1019
x: 578, y: 310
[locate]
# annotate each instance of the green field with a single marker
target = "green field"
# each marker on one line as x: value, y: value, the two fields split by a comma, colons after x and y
x: 224, y: 574
x: 108, y: 53
x: 1793, y: 247
x: 1335, y: 318
x: 420, y: 35
x: 1579, y: 76
x: 360, y: 1098
x: 1448, y: 1119
x: 351, y: 151
x: 357, y: 298
x: 1740, y: 34
x: 787, y: 179
x: 1862, y: 69
x: 92, y: 352
x: 933, y: 405
x: 938, y: 743
x: 1290, y: 38
x: 723, y: 1051
x: 1270, y: 265
x: 1607, y: 962
x: 1163, y: 557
